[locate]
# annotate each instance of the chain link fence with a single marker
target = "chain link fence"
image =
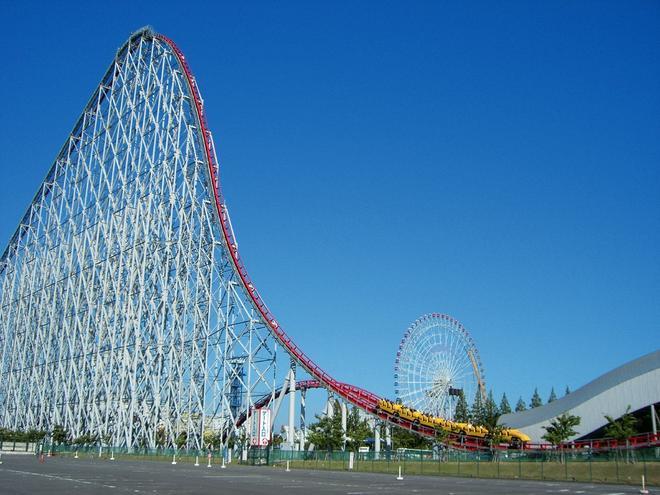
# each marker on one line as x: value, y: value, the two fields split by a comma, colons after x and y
x: 614, y: 466
x: 610, y: 467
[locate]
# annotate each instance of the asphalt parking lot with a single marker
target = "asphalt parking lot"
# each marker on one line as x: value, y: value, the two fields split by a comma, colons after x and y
x: 24, y: 474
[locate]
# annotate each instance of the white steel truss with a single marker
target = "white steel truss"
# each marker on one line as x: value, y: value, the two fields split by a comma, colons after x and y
x: 121, y: 314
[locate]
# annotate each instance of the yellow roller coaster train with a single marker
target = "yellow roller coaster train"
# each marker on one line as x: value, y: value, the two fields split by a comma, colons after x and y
x: 508, y: 435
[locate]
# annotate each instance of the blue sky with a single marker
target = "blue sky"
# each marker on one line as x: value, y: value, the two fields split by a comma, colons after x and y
x: 382, y: 160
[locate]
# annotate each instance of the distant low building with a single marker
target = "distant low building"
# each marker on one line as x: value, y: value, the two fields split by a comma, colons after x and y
x: 635, y: 384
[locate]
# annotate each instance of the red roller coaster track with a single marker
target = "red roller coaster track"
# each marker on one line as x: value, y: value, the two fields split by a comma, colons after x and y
x: 355, y: 395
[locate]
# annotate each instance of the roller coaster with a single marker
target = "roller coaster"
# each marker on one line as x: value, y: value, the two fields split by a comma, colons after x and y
x: 125, y: 302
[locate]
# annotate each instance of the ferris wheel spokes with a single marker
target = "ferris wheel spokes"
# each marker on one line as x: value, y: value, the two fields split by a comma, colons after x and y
x: 436, y: 358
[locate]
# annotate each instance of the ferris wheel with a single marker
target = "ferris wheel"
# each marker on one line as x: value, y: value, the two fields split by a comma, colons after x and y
x: 436, y: 360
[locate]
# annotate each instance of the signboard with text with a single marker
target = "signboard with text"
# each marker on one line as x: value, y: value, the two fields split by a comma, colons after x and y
x: 254, y: 427
x: 264, y: 426
x: 260, y: 427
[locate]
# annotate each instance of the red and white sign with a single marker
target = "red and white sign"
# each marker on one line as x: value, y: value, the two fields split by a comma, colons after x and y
x: 264, y: 426
x: 254, y: 428
x: 260, y: 427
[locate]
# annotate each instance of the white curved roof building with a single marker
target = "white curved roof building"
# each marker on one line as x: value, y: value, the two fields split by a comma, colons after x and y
x: 635, y: 384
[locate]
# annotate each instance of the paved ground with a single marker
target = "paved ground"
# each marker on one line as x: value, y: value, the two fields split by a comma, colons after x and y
x: 23, y: 474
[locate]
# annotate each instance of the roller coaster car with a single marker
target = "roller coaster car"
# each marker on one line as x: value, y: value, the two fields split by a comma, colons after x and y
x: 386, y: 405
x: 477, y: 431
x: 456, y: 427
x: 427, y: 420
x: 407, y: 413
x: 515, y: 437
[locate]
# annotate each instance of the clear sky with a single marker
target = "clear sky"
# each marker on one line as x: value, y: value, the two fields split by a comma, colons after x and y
x: 499, y: 162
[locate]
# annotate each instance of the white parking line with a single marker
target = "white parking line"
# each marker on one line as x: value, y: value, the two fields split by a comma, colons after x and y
x: 61, y: 478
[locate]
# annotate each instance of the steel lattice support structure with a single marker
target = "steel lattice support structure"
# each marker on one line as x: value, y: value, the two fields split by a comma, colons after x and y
x: 126, y: 311
x: 121, y: 312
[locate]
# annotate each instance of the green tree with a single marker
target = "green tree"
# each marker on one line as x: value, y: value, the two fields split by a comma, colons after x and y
x: 462, y: 413
x: 5, y: 435
x: 490, y: 412
x: 491, y: 417
x: 520, y: 405
x: 567, y: 391
x: 536, y: 400
x: 477, y: 410
x: 495, y: 437
x: 561, y: 429
x: 326, y: 433
x: 34, y: 435
x: 622, y: 429
x: 505, y: 407
x: 402, y: 438
x: 161, y: 436
x: 442, y: 437
x: 86, y: 439
x: 181, y: 439
x: 553, y: 396
x: 278, y: 439
x: 212, y: 439
x: 357, y: 430
x: 60, y: 435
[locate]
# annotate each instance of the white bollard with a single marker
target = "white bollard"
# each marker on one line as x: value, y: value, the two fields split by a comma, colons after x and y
x: 643, y: 491
x: 223, y: 463
x: 196, y: 460
x: 399, y: 477
x: 209, y: 464
x: 76, y: 456
x: 100, y: 451
x: 174, y: 460
x: 112, y: 455
x: 287, y: 467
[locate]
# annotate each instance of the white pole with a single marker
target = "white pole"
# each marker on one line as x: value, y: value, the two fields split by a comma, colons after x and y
x: 654, y: 427
x: 399, y: 477
x: 643, y: 491
x: 174, y: 459
x: 290, y: 435
x: 343, y: 425
x: 287, y: 466
x: 196, y: 460
x: 388, y: 437
x: 303, y: 426
x: 209, y: 464
x: 223, y: 463
x: 100, y: 451
x: 76, y: 456
x: 112, y: 455
x: 330, y: 405
x: 377, y: 441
